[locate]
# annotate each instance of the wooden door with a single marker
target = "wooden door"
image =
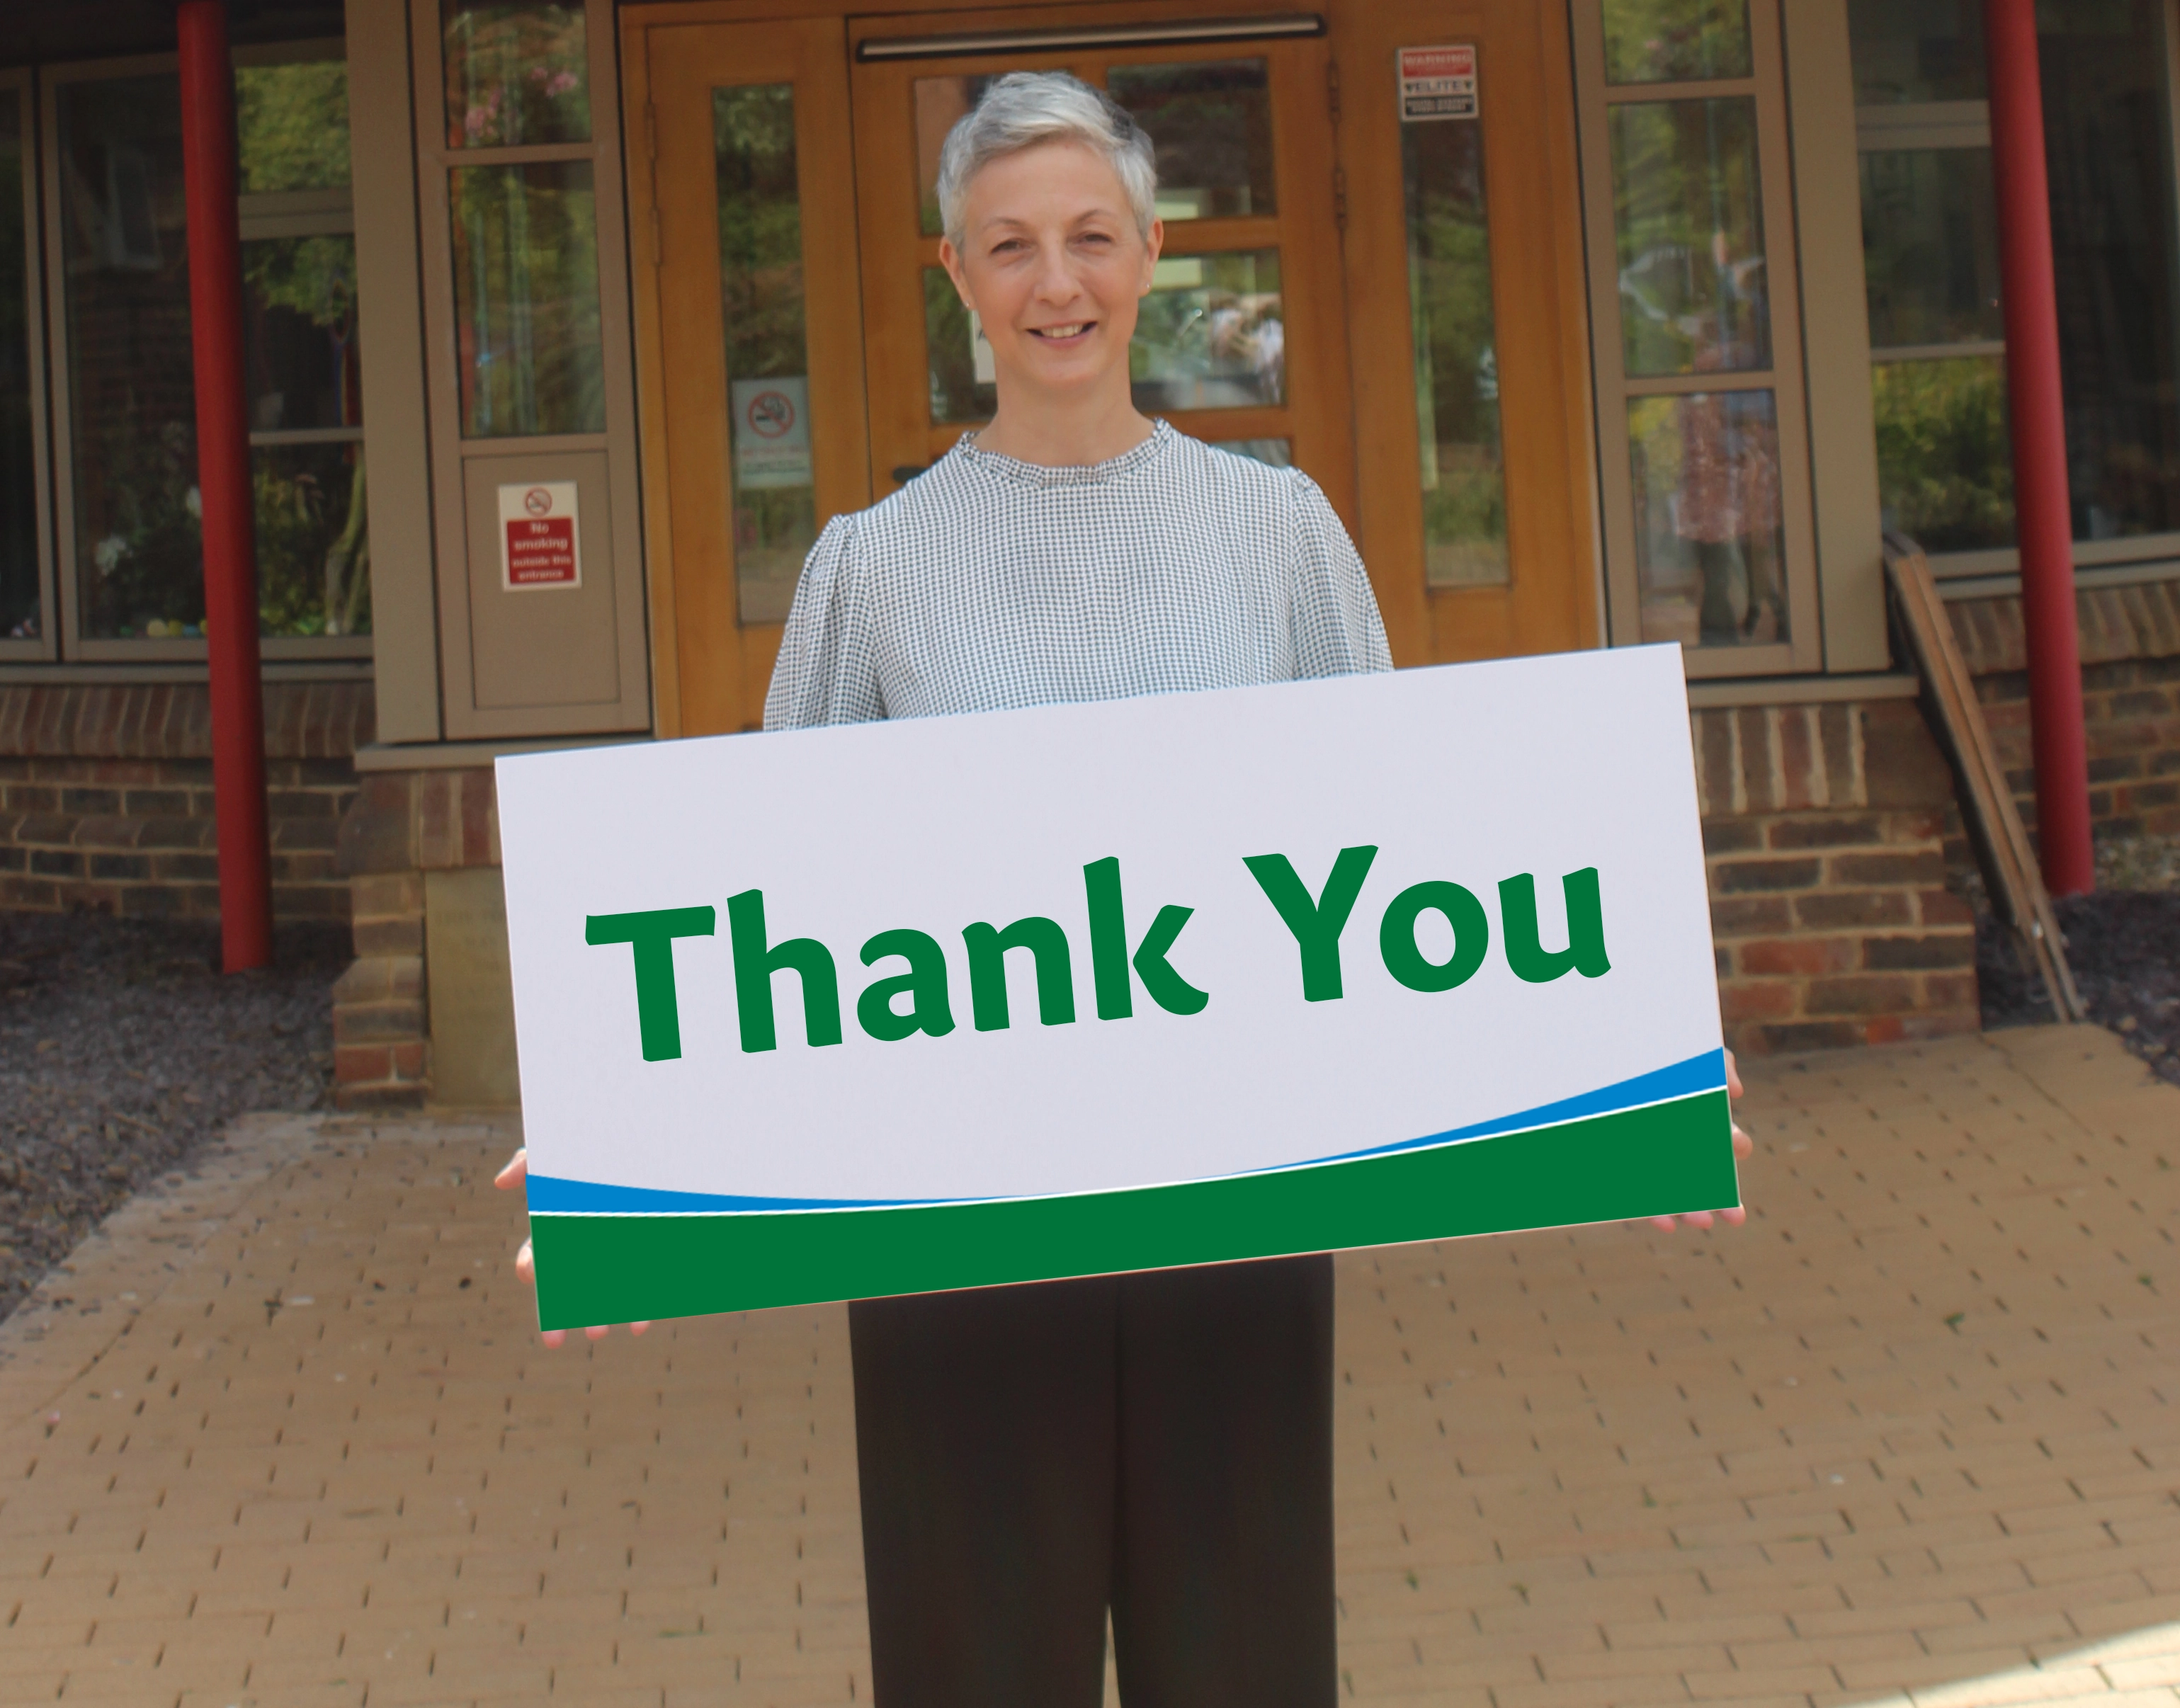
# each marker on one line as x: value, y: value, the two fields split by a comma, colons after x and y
x: 1242, y: 341
x: 1463, y: 246
x: 749, y: 340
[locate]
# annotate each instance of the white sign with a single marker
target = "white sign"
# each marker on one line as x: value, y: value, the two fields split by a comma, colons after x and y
x: 538, y: 542
x: 903, y: 1007
x: 1438, y: 82
x: 772, y: 431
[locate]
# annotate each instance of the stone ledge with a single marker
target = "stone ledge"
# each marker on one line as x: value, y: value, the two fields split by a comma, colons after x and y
x: 173, y: 720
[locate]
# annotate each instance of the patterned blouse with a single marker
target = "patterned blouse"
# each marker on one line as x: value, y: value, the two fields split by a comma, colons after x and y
x: 988, y: 583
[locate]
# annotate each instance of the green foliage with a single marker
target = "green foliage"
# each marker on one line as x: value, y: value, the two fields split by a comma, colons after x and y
x: 760, y: 231
x: 1944, y: 457
x: 147, y: 567
x: 1464, y: 498
x: 313, y: 277
x: 291, y: 123
x: 1655, y: 41
x: 515, y: 74
x: 311, y: 563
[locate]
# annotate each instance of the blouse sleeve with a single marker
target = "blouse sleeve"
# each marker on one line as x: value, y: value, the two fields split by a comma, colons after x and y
x: 1337, y: 628
x: 827, y: 671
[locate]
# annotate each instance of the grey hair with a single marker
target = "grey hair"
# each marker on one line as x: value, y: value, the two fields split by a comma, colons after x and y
x: 1024, y: 108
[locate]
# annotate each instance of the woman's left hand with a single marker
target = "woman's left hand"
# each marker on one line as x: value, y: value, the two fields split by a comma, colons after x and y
x: 1743, y: 1148
x: 525, y: 1265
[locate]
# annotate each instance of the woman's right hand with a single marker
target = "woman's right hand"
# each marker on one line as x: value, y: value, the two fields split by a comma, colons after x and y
x: 526, y: 1266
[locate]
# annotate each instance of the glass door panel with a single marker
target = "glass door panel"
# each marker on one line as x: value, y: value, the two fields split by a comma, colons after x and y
x: 750, y: 343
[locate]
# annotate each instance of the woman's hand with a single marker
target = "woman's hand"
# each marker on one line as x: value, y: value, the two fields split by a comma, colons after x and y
x: 517, y: 1171
x: 1743, y: 1148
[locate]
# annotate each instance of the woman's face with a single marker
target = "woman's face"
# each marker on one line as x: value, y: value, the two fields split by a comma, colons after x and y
x: 1052, y: 263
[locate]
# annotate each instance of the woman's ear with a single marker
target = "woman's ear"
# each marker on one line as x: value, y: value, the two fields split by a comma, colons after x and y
x: 950, y: 258
x: 1152, y: 245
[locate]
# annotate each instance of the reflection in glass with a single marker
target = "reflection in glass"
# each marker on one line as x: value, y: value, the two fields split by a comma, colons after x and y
x: 2108, y: 140
x: 132, y: 410
x: 299, y: 356
x: 1688, y: 214
x: 1709, y: 548
x: 940, y: 102
x: 1464, y: 484
x: 21, y: 613
x: 291, y: 126
x: 1676, y: 40
x: 961, y: 388
x: 1930, y: 245
x: 1276, y: 453
x: 1945, y: 460
x: 527, y: 299
x: 761, y: 297
x: 313, y: 556
x: 1916, y: 50
x: 515, y: 74
x: 1211, y: 122
x: 1212, y: 334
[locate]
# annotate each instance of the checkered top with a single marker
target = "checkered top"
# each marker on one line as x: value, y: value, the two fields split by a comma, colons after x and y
x: 986, y: 583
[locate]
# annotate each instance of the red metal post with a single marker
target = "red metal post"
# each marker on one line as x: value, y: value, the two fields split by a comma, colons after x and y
x: 2043, y: 519
x: 230, y: 546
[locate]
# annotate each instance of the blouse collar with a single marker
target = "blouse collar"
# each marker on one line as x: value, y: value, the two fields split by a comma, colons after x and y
x: 1079, y: 474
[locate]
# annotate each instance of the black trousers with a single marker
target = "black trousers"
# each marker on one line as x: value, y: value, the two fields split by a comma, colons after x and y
x: 1159, y: 1443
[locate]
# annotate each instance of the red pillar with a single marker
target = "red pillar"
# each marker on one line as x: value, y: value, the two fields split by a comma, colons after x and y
x: 230, y: 547
x: 2042, y: 511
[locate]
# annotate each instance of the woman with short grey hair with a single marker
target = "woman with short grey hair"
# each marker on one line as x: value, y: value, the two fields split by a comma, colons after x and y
x: 1156, y: 1444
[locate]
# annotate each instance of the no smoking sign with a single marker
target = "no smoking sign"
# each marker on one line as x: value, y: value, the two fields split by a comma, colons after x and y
x: 537, y: 544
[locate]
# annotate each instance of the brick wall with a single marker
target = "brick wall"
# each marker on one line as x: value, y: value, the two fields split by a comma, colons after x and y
x: 1824, y: 827
x: 400, y: 826
x: 2130, y: 693
x: 106, y: 796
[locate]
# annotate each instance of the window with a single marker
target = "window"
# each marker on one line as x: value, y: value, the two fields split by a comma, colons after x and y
x: 130, y: 547
x: 1696, y: 330
x: 524, y: 232
x: 1930, y: 246
x: 23, y: 628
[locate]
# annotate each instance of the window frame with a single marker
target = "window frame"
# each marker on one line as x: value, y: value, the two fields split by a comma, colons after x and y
x: 607, y: 150
x: 23, y: 81
x: 282, y: 213
x: 1614, y: 390
x: 1888, y: 127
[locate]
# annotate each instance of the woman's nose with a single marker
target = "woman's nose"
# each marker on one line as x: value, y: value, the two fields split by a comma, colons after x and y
x: 1055, y: 279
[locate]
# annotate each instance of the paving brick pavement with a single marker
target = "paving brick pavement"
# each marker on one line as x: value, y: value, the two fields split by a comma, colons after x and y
x: 280, y: 1435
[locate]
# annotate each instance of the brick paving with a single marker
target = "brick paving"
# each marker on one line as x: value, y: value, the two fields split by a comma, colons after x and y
x: 281, y: 1436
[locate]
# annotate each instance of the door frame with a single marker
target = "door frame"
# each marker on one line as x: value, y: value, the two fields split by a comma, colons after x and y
x: 1425, y: 625
x: 1554, y: 532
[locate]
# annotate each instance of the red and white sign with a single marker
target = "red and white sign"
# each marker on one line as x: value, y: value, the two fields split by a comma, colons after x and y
x: 772, y: 431
x: 537, y: 544
x: 1438, y: 83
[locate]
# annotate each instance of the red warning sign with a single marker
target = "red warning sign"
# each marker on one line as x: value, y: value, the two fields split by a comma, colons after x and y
x: 538, y: 547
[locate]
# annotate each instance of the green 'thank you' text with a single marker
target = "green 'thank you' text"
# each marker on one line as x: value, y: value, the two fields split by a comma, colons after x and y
x: 913, y: 996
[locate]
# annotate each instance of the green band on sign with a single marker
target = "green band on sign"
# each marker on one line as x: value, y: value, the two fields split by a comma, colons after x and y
x: 1668, y: 1156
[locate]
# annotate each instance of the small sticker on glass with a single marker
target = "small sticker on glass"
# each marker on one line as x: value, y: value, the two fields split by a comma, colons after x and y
x: 1438, y: 83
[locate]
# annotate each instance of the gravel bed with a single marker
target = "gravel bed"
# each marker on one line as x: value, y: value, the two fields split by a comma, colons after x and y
x: 2123, y: 944
x: 123, y: 1049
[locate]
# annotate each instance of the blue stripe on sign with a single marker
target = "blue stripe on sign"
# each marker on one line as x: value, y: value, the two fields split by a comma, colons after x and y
x: 551, y: 1195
